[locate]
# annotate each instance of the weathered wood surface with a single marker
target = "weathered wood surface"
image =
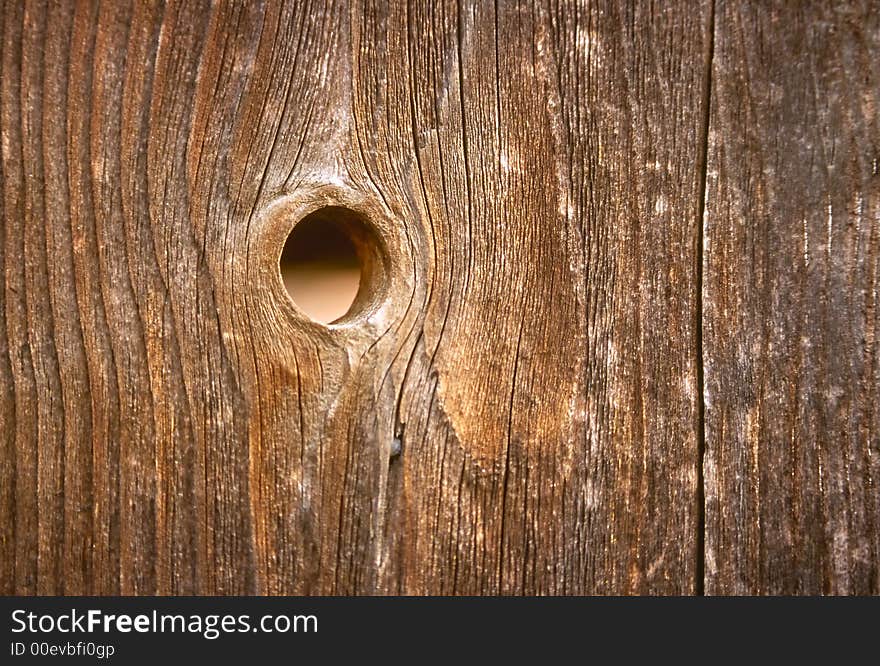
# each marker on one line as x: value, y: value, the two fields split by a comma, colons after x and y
x: 791, y: 352
x: 566, y: 267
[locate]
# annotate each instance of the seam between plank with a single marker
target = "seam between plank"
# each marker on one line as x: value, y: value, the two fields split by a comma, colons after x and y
x: 700, y: 569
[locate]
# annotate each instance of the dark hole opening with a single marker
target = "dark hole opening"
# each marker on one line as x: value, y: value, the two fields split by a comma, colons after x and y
x: 325, y: 262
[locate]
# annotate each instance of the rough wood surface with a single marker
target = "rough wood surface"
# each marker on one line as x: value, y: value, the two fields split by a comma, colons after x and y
x: 792, y: 245
x: 541, y: 322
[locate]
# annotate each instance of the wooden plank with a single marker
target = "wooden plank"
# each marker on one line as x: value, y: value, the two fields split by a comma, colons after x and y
x: 173, y: 424
x: 790, y: 300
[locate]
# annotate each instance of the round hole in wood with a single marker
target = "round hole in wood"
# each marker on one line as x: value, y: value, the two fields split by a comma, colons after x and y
x: 332, y: 264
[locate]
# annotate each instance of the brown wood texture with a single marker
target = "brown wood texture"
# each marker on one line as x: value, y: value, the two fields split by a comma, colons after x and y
x: 791, y: 259
x: 628, y: 271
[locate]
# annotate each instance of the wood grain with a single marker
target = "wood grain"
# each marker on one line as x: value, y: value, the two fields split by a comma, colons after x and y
x: 546, y: 161
x: 790, y: 301
x: 620, y: 325
x: 172, y: 424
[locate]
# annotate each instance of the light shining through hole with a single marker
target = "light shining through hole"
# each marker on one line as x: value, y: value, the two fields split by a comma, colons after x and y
x: 320, y: 264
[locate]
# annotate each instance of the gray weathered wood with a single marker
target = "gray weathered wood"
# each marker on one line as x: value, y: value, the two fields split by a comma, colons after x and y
x: 792, y: 230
